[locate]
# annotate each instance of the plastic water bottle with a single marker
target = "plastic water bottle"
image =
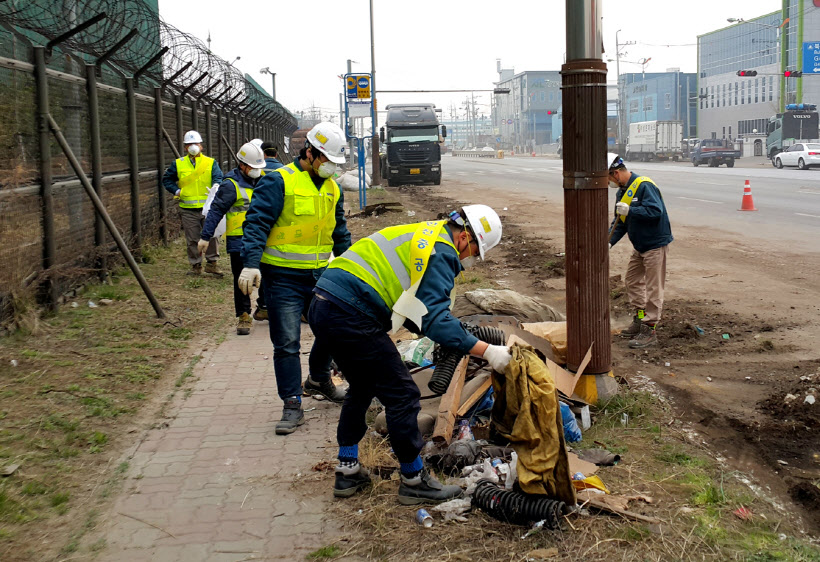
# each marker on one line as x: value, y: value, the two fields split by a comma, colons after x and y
x: 572, y: 432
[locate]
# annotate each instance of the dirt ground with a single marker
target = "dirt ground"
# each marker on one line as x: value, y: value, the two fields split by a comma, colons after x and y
x: 738, y: 340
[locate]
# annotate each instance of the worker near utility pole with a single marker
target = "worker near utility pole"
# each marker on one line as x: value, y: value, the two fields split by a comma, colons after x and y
x: 641, y: 214
x: 295, y: 221
x: 399, y: 276
x: 232, y: 201
x: 189, y: 179
x: 271, y: 164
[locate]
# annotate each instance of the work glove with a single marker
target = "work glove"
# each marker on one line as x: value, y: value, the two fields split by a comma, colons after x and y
x: 215, y: 185
x: 201, y: 246
x: 610, y: 246
x: 177, y: 193
x: 248, y: 279
x: 498, y: 356
x: 622, y: 208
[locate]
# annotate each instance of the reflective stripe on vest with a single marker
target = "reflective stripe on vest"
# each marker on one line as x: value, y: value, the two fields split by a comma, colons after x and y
x: 194, y: 181
x: 302, y: 237
x: 235, y: 216
x: 382, y: 260
x: 629, y: 195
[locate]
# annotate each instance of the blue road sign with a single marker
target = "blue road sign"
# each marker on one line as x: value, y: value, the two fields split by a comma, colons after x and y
x: 811, y: 57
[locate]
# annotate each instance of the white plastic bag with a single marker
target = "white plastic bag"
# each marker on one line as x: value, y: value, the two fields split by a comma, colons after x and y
x: 222, y: 226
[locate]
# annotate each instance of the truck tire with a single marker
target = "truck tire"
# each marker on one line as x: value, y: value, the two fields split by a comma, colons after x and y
x: 713, y: 163
x: 392, y: 183
x: 695, y: 162
x: 675, y: 158
x: 801, y: 165
x: 437, y: 179
x: 730, y: 163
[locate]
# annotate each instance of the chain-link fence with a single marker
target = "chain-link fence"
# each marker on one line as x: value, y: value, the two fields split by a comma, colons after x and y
x: 121, y: 86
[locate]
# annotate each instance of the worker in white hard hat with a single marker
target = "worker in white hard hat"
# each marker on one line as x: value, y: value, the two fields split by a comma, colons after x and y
x: 295, y: 222
x: 399, y: 276
x: 232, y: 201
x: 189, y: 179
x: 640, y: 213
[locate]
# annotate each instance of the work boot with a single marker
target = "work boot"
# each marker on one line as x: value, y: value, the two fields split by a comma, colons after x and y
x: 243, y: 325
x: 292, y: 417
x: 424, y: 488
x: 326, y: 389
x: 212, y: 268
x: 646, y: 338
x: 348, y: 484
x: 633, y: 329
x: 260, y: 314
x: 196, y: 269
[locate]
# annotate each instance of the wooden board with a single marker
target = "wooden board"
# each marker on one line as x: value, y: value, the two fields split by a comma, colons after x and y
x: 474, y: 397
x: 446, y: 421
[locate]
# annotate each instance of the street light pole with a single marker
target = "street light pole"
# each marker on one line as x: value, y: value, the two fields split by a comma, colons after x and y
x: 374, y: 147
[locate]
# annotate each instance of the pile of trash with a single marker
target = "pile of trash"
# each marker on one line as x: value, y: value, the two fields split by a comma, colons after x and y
x: 503, y: 437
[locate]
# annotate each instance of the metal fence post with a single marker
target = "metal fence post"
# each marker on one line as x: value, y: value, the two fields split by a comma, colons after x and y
x: 228, y: 136
x: 49, y: 288
x: 133, y: 163
x: 96, y: 163
x: 194, y: 116
x: 163, y: 200
x: 219, y: 136
x: 178, y: 103
x: 206, y: 110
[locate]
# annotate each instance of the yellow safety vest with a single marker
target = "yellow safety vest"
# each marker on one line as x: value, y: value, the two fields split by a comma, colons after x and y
x: 194, y: 182
x: 387, y: 262
x: 235, y: 216
x: 629, y: 194
x: 302, y: 237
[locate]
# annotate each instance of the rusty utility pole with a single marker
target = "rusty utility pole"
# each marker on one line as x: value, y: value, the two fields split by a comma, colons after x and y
x: 585, y: 189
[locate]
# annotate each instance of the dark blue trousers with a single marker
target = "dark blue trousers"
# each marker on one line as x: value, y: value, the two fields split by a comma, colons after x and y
x: 288, y: 297
x: 373, y: 368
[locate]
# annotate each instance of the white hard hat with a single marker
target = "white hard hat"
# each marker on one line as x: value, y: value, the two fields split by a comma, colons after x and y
x: 486, y: 226
x: 251, y: 155
x: 613, y: 160
x: 192, y: 137
x: 257, y: 142
x: 329, y: 139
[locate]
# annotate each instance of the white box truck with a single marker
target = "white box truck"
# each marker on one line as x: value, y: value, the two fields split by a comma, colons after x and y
x: 655, y: 140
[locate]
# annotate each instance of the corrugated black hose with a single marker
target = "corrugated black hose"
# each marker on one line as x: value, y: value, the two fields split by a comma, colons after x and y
x: 517, y: 508
x: 446, y: 359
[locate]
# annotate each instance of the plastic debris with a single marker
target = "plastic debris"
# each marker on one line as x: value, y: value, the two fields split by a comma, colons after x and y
x: 667, y: 364
x: 590, y: 482
x: 789, y: 398
x: 742, y: 513
x: 464, y: 431
x: 699, y: 331
x: 624, y: 419
x: 784, y: 463
x: 74, y: 305
x: 725, y: 336
x: 709, y: 379
x: 454, y: 509
x: 106, y: 302
x: 809, y: 400
x: 14, y: 363
x: 513, y: 476
x: 91, y: 304
x: 572, y: 433
x: 411, y: 213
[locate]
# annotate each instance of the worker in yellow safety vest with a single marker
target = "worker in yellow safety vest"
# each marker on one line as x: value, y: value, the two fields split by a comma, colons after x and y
x: 399, y: 276
x: 189, y: 179
x: 295, y: 222
x: 232, y: 201
x: 640, y: 214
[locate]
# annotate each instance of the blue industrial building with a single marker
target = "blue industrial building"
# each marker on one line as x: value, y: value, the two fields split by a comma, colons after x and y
x: 658, y: 96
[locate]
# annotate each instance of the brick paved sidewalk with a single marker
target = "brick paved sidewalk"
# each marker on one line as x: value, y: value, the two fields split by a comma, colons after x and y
x: 218, y: 484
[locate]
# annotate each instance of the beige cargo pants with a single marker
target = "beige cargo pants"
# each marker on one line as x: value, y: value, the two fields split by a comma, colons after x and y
x: 645, y: 281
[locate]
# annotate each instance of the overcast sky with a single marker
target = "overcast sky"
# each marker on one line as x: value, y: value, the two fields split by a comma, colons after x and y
x: 436, y: 44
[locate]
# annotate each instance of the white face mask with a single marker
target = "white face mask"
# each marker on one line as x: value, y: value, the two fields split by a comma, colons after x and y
x: 468, y: 262
x: 326, y: 170
x: 193, y: 150
x: 254, y: 173
x: 613, y: 184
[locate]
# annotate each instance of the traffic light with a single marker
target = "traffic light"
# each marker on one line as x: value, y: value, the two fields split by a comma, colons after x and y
x: 747, y: 72
x: 793, y: 73
x: 551, y: 112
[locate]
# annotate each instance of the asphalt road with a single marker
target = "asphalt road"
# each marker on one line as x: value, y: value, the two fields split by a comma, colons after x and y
x: 788, y: 200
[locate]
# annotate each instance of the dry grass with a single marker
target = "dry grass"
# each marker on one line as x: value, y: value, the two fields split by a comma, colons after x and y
x: 694, y: 499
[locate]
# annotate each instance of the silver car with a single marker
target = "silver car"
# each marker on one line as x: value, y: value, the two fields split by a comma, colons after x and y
x: 804, y: 156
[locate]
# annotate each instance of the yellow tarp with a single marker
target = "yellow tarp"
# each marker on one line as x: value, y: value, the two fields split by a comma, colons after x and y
x: 526, y: 412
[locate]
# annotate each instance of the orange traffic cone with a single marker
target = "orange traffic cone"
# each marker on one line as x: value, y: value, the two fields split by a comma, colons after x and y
x: 747, y: 204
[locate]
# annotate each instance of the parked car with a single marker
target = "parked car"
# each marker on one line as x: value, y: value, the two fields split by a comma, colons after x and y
x: 802, y: 155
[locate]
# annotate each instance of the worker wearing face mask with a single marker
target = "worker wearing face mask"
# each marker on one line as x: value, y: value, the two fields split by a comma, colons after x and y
x: 189, y: 179
x: 399, y: 276
x: 232, y: 201
x: 296, y: 220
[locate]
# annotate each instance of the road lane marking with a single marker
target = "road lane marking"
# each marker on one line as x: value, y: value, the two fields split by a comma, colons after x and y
x: 709, y: 183
x: 702, y: 200
x: 806, y: 215
x: 809, y: 192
